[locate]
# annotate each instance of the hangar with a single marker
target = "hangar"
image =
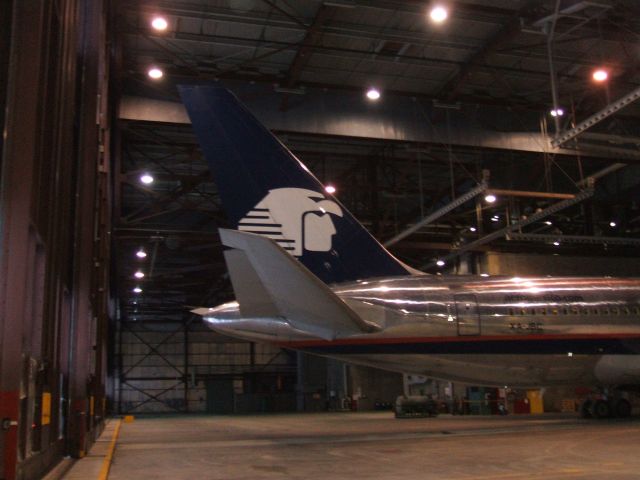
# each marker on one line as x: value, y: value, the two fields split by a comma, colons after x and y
x: 483, y: 137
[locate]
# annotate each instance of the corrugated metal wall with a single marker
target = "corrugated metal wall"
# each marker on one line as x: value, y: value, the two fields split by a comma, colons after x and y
x: 54, y: 224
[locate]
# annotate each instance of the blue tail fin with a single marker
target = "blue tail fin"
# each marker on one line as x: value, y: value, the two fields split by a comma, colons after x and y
x: 266, y: 190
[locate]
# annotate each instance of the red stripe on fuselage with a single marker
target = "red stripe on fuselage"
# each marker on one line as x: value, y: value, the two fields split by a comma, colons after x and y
x: 460, y: 338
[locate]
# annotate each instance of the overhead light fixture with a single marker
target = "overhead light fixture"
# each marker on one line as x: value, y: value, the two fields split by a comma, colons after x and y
x: 137, y: 290
x: 556, y: 243
x: 373, y: 94
x: 159, y: 23
x: 613, y: 224
x: 146, y: 178
x: 330, y: 189
x: 438, y: 14
x: 440, y: 263
x: 600, y: 75
x: 484, y: 274
x: 472, y: 229
x: 155, y: 73
x: 139, y: 274
x: 141, y: 253
x: 490, y: 198
x: 495, y: 218
x: 548, y: 222
x: 557, y: 112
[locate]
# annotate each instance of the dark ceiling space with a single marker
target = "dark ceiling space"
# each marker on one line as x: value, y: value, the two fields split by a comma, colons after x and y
x: 469, y: 101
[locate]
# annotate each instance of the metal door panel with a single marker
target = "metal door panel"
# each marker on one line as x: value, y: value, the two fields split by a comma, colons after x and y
x: 467, y: 314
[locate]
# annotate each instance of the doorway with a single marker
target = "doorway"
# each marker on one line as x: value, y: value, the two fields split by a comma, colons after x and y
x: 467, y: 314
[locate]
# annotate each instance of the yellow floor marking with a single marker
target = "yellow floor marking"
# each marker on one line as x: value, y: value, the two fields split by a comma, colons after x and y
x: 106, y: 464
x: 544, y: 473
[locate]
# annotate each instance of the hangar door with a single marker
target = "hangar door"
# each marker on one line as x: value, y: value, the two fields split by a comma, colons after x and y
x: 220, y: 395
x: 467, y: 314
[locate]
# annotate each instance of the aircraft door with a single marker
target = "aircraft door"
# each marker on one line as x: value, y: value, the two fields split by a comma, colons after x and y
x: 467, y: 314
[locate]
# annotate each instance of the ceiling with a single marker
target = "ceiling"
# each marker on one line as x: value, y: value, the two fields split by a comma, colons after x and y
x: 483, y: 73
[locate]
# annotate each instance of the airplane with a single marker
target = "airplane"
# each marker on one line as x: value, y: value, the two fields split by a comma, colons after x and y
x: 308, y: 276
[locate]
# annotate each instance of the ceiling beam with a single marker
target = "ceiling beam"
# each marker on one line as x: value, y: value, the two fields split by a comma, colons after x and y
x: 403, y: 119
x: 507, y: 32
x: 303, y: 54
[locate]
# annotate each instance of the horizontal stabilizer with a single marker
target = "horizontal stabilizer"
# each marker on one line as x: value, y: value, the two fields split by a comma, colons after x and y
x: 268, y: 281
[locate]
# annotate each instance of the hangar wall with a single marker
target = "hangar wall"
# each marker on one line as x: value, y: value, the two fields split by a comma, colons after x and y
x: 165, y: 367
x: 54, y: 231
x: 497, y: 263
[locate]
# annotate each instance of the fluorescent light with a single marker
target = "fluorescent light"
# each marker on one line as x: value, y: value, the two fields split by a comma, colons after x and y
x: 484, y: 274
x: 373, y: 94
x: 159, y: 23
x: 137, y: 290
x: 146, y: 178
x: 600, y: 75
x: 438, y: 14
x: 139, y: 274
x: 490, y: 198
x: 440, y: 263
x: 155, y: 73
x: 141, y: 253
x: 330, y: 189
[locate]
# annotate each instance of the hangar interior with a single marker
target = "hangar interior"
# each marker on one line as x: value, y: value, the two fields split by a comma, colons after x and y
x: 100, y: 268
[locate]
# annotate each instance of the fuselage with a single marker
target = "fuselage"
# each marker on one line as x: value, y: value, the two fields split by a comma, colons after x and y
x: 487, y: 331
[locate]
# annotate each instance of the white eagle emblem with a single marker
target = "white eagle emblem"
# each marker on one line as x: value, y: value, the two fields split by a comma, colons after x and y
x: 296, y: 218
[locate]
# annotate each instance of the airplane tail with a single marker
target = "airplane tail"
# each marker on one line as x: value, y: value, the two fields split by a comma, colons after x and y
x: 267, y: 191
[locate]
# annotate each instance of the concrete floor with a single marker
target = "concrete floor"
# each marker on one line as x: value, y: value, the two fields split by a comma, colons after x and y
x: 377, y: 446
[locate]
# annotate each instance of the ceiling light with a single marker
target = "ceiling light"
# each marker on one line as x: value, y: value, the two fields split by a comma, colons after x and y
x: 557, y: 112
x: 600, y: 75
x: 159, y: 23
x: 155, y: 73
x: 146, y: 178
x: 472, y: 229
x: 373, y: 94
x: 547, y: 222
x: 440, y: 263
x: 330, y: 189
x: 138, y: 274
x: 484, y: 274
x: 137, y: 290
x: 490, y: 198
x: 438, y: 14
x: 495, y: 219
x: 556, y: 243
x: 612, y: 224
x: 141, y: 253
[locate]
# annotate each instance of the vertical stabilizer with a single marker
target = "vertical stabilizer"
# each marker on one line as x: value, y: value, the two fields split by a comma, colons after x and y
x: 266, y: 190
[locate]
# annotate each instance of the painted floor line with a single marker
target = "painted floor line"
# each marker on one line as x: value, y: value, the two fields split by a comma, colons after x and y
x: 106, y: 464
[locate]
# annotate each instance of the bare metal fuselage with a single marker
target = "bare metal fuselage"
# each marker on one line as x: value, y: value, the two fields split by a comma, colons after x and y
x: 489, y: 331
